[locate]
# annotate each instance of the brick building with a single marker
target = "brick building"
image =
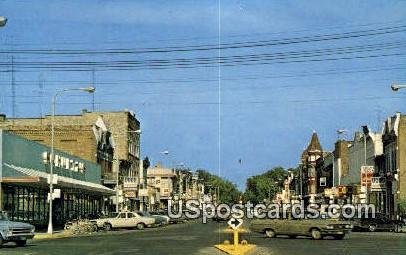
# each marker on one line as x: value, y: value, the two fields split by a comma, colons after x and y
x: 111, y: 139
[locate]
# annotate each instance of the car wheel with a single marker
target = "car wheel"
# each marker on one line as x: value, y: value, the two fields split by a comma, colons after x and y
x: 372, y: 228
x: 94, y: 228
x: 21, y: 243
x: 398, y: 228
x: 270, y: 233
x: 339, y: 237
x: 316, y: 234
x: 140, y: 226
x: 107, y: 226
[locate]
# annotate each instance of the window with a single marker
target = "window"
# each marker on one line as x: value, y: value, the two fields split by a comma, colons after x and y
x: 121, y: 215
x: 323, y: 181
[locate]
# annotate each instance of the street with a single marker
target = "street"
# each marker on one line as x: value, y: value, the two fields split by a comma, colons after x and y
x: 197, y: 238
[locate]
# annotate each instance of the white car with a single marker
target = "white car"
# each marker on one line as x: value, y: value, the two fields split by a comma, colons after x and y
x: 124, y: 220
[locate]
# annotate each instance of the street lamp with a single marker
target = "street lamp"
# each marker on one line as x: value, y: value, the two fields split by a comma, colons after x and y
x: 3, y: 21
x: 51, y: 168
x: 396, y: 87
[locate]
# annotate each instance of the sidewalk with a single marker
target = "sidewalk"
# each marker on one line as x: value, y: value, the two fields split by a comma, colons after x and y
x: 56, y: 235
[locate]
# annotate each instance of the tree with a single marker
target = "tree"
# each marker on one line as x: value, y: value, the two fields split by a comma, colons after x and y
x: 264, y: 186
x: 228, y: 191
x: 402, y: 207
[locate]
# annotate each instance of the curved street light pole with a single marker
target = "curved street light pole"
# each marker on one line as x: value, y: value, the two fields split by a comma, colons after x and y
x: 51, y: 158
x: 396, y: 87
x: 3, y: 21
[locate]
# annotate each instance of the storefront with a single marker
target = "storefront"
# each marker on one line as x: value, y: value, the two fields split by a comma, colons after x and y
x: 24, y: 176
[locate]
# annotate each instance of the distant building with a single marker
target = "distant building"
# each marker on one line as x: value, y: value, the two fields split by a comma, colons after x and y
x: 160, y: 182
x: 187, y: 185
x: 365, y: 151
x: 309, y: 158
x: 325, y: 170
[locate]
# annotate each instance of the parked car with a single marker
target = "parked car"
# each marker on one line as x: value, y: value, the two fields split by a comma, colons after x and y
x: 159, y: 219
x: 13, y: 231
x: 181, y: 219
x: 124, y: 220
x: 379, y: 222
x: 315, y: 228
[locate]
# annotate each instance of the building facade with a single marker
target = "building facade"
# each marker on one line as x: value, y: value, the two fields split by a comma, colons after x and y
x: 160, y: 183
x: 111, y: 139
x: 24, y: 186
x: 309, y: 158
x: 394, y: 150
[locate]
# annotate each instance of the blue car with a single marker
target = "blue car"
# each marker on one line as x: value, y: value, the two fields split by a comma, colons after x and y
x: 12, y: 231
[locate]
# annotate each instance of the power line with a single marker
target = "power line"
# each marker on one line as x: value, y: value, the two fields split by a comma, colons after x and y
x: 209, y: 47
x: 233, y: 78
x: 223, y: 60
x: 186, y: 66
x: 366, y: 98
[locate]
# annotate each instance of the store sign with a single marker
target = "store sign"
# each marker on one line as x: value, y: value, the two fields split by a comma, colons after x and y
x: 367, y: 172
x: 130, y: 194
x: 378, y: 184
x: 64, y: 162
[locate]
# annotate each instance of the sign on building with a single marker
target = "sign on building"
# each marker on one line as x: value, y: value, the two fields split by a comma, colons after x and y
x: 367, y: 172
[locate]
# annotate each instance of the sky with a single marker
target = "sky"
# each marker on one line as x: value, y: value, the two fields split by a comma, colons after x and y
x: 286, y: 69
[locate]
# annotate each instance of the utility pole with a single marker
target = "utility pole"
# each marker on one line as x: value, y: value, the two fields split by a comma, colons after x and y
x: 94, y: 86
x: 41, y: 93
x: 13, y: 89
x: 117, y: 181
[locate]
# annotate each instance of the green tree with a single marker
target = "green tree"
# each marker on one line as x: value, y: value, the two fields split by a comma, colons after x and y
x: 228, y: 191
x: 402, y: 207
x: 264, y: 186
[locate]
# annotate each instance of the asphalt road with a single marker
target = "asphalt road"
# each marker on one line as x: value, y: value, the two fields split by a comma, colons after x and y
x: 197, y: 238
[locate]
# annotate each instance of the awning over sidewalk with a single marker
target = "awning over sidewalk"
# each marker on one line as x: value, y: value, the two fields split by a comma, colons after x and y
x: 63, y: 181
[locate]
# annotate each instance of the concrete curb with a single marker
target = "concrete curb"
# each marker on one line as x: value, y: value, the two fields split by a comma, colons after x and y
x: 45, y: 236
